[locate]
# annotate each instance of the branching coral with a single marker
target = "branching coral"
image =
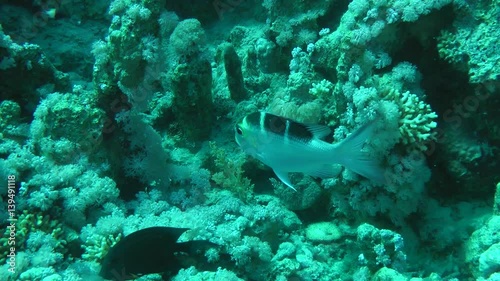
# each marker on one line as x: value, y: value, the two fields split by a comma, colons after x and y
x: 417, y: 120
x: 230, y: 173
x: 97, y: 246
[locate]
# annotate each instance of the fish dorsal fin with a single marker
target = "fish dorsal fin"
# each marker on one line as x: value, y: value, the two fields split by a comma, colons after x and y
x: 318, y: 131
x: 283, y: 176
x: 172, y: 232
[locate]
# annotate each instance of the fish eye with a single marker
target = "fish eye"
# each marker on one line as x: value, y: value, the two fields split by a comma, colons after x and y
x: 238, y: 130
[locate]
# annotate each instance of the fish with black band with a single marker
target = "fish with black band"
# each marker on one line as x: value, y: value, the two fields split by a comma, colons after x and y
x: 289, y: 146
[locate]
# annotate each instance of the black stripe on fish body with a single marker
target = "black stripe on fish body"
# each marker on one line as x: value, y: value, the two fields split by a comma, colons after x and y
x: 286, y: 127
x: 267, y: 122
x: 273, y: 123
x: 253, y: 119
x: 300, y: 131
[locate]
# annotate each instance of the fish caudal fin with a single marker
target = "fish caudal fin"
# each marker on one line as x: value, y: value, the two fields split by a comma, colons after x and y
x: 350, y: 154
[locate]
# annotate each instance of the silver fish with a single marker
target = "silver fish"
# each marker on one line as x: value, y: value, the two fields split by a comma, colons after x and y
x: 288, y: 146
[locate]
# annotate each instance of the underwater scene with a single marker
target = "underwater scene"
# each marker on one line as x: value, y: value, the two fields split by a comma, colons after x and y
x: 260, y: 140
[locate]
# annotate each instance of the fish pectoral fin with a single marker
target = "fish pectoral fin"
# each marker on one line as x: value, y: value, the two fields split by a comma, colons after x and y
x: 283, y: 176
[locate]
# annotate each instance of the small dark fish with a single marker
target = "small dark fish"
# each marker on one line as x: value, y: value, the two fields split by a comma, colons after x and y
x: 151, y: 250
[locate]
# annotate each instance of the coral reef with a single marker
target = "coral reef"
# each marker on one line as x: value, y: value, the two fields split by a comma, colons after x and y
x: 120, y: 115
x: 471, y: 46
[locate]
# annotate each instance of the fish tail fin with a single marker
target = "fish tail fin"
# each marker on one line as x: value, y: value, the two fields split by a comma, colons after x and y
x: 350, y: 153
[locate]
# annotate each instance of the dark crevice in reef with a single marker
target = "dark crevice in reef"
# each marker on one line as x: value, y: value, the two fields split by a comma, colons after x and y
x: 201, y: 10
x: 333, y: 15
x: 27, y: 4
x: 447, y: 89
x: 419, y: 47
x: 209, y: 11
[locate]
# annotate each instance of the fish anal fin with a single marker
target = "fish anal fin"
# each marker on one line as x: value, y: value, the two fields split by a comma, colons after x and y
x: 283, y: 176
